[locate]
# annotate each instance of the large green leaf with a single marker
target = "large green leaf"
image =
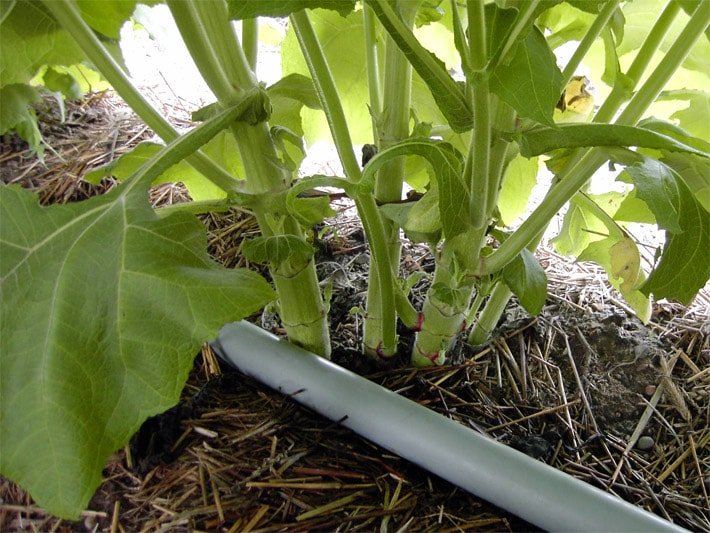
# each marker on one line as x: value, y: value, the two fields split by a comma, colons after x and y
x: 528, y: 281
x: 530, y: 82
x: 104, y: 306
x: 542, y: 140
x: 239, y: 9
x: 684, y: 267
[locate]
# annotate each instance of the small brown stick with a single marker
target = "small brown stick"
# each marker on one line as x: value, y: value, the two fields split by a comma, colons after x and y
x: 546, y: 411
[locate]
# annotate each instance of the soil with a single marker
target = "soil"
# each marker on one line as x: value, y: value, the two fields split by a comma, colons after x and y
x: 584, y: 387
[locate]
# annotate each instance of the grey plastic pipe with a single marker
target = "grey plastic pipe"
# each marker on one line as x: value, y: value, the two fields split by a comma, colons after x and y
x: 524, y: 486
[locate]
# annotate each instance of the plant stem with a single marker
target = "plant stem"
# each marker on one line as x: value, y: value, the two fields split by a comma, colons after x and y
x: 68, y: 16
x: 585, y: 44
x: 210, y: 37
x: 490, y: 315
x: 393, y: 126
x: 476, y: 171
x: 327, y: 93
x: 250, y: 41
x: 364, y: 201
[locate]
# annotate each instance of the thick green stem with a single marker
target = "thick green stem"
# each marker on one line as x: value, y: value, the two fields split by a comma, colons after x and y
x: 210, y: 38
x: 585, y: 44
x: 327, y: 93
x: 393, y: 126
x: 68, y: 16
x: 477, y: 164
x: 250, y: 41
x: 365, y: 202
x: 577, y: 176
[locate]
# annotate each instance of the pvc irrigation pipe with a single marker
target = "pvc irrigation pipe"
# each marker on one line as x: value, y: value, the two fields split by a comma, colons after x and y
x: 524, y: 486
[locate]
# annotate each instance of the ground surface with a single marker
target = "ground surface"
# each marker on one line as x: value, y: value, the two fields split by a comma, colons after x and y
x: 583, y: 387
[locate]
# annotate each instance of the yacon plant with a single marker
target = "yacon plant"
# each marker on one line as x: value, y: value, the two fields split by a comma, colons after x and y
x: 105, y: 302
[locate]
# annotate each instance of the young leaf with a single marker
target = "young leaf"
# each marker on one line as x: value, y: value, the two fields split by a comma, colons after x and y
x: 696, y: 117
x: 239, y: 9
x: 296, y: 87
x: 542, y: 140
x: 222, y: 148
x: 313, y: 210
x: 17, y: 113
x: 277, y: 249
x: 684, y: 267
x: 620, y: 258
x: 447, y: 165
x: 530, y: 82
x: 582, y: 226
x: 527, y: 280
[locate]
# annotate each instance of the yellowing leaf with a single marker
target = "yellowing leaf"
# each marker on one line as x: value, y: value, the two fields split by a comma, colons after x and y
x: 625, y: 263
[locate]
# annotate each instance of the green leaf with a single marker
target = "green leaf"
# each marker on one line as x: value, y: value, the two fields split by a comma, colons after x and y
x: 530, y: 82
x: 420, y: 220
x: 684, y: 267
x: 17, y: 114
x: 528, y: 281
x: 582, y: 226
x: 620, y: 258
x: 447, y: 164
x: 239, y: 9
x: 347, y: 64
x: 106, y: 339
x: 5, y: 8
x: 518, y: 183
x: 312, y: 210
x: 31, y: 38
x: 199, y: 187
x: 566, y: 22
x: 695, y: 171
x: 105, y: 306
x: 542, y: 140
x: 633, y: 209
x: 454, y: 297
x: 106, y: 17
x: 277, y: 249
x: 656, y: 185
x: 696, y: 117
x: 62, y: 82
x: 296, y: 87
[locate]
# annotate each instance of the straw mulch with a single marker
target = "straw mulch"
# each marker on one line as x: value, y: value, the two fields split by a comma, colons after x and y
x: 584, y: 387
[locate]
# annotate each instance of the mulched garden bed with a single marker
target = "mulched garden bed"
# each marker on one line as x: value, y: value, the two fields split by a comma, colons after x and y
x: 584, y: 387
